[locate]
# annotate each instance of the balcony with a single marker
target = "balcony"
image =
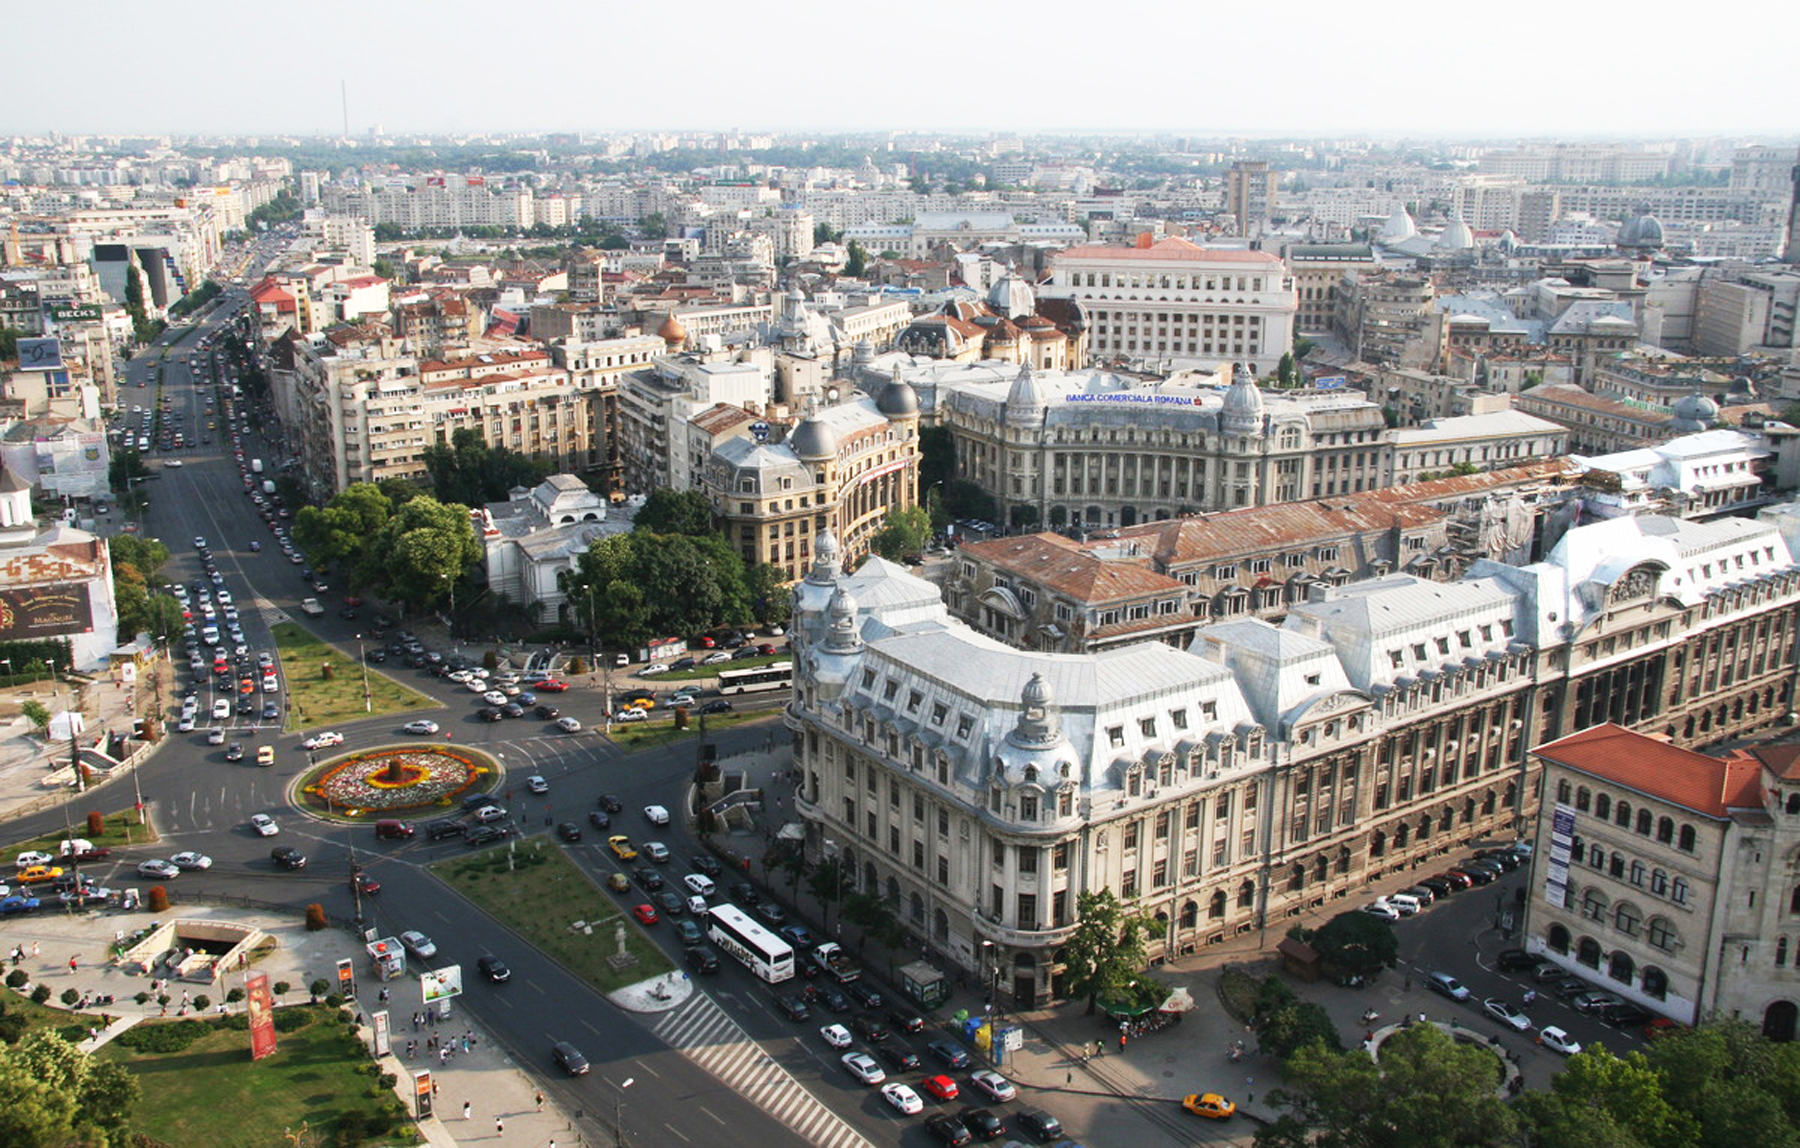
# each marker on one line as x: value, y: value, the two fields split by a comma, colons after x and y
x: 990, y: 930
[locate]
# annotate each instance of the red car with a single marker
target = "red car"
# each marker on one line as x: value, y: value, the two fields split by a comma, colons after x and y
x: 551, y: 686
x: 352, y: 600
x: 646, y: 914
x: 940, y: 1086
x: 363, y: 883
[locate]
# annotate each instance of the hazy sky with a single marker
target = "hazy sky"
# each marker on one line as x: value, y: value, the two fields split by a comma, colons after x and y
x: 1303, y: 67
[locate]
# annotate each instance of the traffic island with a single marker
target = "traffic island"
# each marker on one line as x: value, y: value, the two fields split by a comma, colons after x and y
x: 395, y: 781
x: 325, y: 685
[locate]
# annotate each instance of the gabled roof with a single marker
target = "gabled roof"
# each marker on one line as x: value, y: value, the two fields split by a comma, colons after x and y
x: 1705, y: 785
x: 1064, y: 567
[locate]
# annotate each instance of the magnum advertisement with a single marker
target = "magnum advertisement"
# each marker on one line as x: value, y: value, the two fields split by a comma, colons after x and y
x: 44, y: 611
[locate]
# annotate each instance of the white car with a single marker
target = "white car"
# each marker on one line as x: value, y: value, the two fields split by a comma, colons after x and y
x: 418, y: 944
x: 655, y: 668
x: 1506, y: 1014
x: 904, y: 1099
x: 162, y: 870
x: 191, y: 861
x: 215, y: 735
x: 716, y: 658
x: 494, y: 698
x: 568, y: 725
x: 460, y: 677
x: 489, y: 813
x: 656, y: 815
x: 186, y: 724
x: 221, y: 710
x: 656, y: 851
x: 477, y: 686
x: 423, y: 725
x: 27, y: 860
x: 264, y: 825
x: 683, y: 698
x: 270, y: 684
x: 1556, y: 1040
x: 996, y: 1087
x: 323, y: 740
x: 536, y: 783
x: 836, y: 1035
x: 862, y: 1066
x: 1382, y: 910
x: 631, y: 715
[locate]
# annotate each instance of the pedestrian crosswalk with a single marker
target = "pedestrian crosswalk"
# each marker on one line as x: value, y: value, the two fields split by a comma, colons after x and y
x: 702, y: 1032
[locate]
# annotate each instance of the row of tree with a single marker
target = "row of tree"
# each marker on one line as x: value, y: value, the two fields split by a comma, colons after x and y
x: 390, y: 539
x: 136, y: 561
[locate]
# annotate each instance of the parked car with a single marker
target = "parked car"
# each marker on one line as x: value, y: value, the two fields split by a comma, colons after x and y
x: 1516, y: 961
x: 1506, y: 1014
x: 1556, y: 1040
x: 1446, y: 985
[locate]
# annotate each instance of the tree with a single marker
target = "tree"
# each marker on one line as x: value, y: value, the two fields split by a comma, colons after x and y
x: 339, y: 531
x: 792, y: 862
x: 1356, y: 942
x: 36, y: 714
x: 770, y: 602
x: 1107, y: 951
x: 667, y: 511
x: 1606, y: 1100
x: 52, y: 1094
x: 1284, y: 1023
x: 467, y: 470
x: 400, y: 491
x: 386, y: 270
x: 856, y: 261
x: 829, y: 880
x: 420, y: 552
x: 905, y: 533
x: 1284, y: 370
x: 1428, y: 1091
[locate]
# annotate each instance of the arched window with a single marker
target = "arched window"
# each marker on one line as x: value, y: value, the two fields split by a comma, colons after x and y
x: 1780, y: 952
x: 1678, y: 891
x: 1577, y: 850
x: 1215, y: 908
x: 1621, y: 967
x: 1686, y: 844
x: 1297, y: 878
x: 1190, y: 913
x: 1637, y: 873
x: 1563, y: 790
x: 1661, y: 934
x: 1655, y: 983
x: 1794, y: 900
x: 1597, y: 857
x: 1665, y: 830
x: 1659, y: 882
x: 1588, y: 953
x: 1779, y: 1021
x: 1593, y: 905
x: 1247, y: 895
x: 1626, y: 920
x: 1643, y: 822
x: 1583, y: 799
x: 1378, y: 843
x: 1622, y: 815
x: 1558, y: 939
x: 1602, y: 806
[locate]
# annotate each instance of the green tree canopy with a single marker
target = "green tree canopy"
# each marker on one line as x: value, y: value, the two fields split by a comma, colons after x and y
x: 468, y: 471
x: 1602, y: 1099
x: 668, y: 511
x: 1356, y: 942
x: 1107, y: 951
x: 1284, y: 1023
x: 905, y: 532
x: 420, y: 552
x: 53, y: 1095
x: 342, y: 529
x: 856, y: 261
x: 766, y: 588
x: 1428, y: 1091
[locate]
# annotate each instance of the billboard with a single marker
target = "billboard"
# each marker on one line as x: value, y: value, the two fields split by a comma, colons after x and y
x: 40, y: 355
x: 72, y: 463
x: 438, y: 984
x: 44, y: 611
x: 261, y: 1010
x: 74, y: 313
x: 380, y: 1023
x: 1562, y: 848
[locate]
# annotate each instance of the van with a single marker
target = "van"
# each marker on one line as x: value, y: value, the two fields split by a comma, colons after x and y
x: 390, y: 829
x: 1405, y: 902
x: 265, y: 755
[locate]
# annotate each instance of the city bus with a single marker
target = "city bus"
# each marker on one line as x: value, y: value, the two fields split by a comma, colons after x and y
x: 761, y: 951
x: 757, y: 679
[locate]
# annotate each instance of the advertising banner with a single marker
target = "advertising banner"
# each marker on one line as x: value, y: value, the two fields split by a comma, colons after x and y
x: 441, y: 984
x: 1562, y: 847
x: 346, y: 976
x: 261, y: 1008
x: 44, y: 611
x: 74, y: 313
x: 422, y: 1094
x: 40, y: 355
x: 379, y: 1022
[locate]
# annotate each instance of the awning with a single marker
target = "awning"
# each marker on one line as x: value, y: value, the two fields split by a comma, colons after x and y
x: 792, y: 831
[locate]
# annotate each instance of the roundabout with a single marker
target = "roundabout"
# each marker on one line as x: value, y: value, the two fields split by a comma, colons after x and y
x: 411, y: 780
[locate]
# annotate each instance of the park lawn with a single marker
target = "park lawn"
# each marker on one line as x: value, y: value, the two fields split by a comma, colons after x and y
x: 210, y: 1093
x: 122, y: 829
x: 546, y: 894
x: 660, y: 729
x: 72, y: 1025
x: 315, y: 702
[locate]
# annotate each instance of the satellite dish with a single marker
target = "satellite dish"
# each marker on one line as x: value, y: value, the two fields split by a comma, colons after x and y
x: 831, y: 394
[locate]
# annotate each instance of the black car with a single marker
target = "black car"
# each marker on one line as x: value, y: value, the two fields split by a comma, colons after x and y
x: 716, y: 706
x: 1505, y: 858
x: 494, y: 969
x: 288, y: 857
x: 438, y: 830
x: 865, y: 995
x: 611, y: 803
x: 670, y: 903
x: 706, y: 863
x: 982, y: 1124
x: 599, y: 820
x: 568, y: 1058
x: 772, y: 913
x: 899, y: 1057
x: 745, y: 893
x: 702, y: 959
x: 482, y: 834
x: 569, y: 831
x: 683, y: 664
x: 246, y: 707
x: 947, y: 1129
x: 491, y: 713
x: 512, y: 710
x: 793, y: 1008
x: 347, y: 614
x: 904, y: 1021
x: 1570, y: 987
x: 1626, y: 1015
x: 1515, y: 961
x: 648, y: 878
x: 234, y: 751
x: 1039, y: 1124
x: 869, y: 1029
x: 548, y: 713
x: 832, y: 999
x: 376, y: 656
x: 1438, y: 886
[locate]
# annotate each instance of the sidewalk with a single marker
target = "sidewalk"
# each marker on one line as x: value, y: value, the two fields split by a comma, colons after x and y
x: 34, y: 771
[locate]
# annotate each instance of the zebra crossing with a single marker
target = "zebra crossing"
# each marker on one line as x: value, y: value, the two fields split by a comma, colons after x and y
x: 701, y: 1031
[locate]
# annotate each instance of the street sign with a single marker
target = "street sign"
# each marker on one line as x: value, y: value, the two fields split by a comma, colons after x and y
x: 1330, y: 382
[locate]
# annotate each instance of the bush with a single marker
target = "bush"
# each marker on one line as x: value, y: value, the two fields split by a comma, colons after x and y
x: 142, y: 998
x: 292, y: 1019
x: 282, y: 988
x: 69, y: 997
x: 334, y: 999
x: 12, y: 1027
x: 315, y: 919
x: 319, y: 988
x: 202, y: 1003
x: 577, y: 666
x: 236, y: 1021
x: 157, y: 900
x: 234, y: 996
x: 40, y: 994
x: 17, y: 978
x: 490, y: 661
x: 96, y: 823
x: 169, y: 1036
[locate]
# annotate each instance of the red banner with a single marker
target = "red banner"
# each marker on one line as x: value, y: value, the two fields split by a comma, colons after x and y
x: 262, y: 1016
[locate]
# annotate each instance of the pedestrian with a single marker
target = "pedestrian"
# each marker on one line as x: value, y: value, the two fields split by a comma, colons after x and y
x: 1249, y: 1086
x: 1121, y: 1042
x: 435, y: 1089
x: 499, y: 1127
x: 72, y: 964
x: 382, y: 996
x: 1409, y: 984
x: 34, y: 948
x: 540, y: 1101
x: 467, y: 1109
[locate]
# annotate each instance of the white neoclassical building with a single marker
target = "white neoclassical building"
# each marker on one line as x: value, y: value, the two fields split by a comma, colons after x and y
x: 535, y: 535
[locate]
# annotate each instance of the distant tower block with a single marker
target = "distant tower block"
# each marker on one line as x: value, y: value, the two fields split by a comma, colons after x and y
x: 1791, y: 252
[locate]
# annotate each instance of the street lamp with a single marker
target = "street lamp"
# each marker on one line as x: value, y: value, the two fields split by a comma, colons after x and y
x: 619, y: 1112
x: 368, y: 705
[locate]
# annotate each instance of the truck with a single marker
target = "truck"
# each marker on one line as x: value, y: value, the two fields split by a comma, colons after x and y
x: 831, y: 957
x: 311, y: 608
x: 256, y: 466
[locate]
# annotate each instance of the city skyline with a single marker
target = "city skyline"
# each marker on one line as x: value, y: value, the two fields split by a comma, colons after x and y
x: 1419, y: 71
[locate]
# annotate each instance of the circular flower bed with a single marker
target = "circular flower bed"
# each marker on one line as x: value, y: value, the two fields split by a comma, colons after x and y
x: 396, y: 779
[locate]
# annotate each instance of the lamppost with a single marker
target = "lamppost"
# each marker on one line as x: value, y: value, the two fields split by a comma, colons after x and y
x: 990, y: 964
x: 619, y: 1111
x: 361, y: 660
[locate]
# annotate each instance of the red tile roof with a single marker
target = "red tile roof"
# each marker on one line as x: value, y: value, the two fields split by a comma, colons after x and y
x: 1706, y: 785
x: 1066, y: 567
x: 1257, y: 529
x: 1173, y: 248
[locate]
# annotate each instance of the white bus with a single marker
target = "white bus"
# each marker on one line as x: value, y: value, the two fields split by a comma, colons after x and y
x: 761, y: 951
x: 757, y: 679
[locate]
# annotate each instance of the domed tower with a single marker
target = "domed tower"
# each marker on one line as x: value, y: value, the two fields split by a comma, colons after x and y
x: 1037, y: 727
x: 1035, y: 756
x: 1456, y: 237
x: 672, y: 333
x: 1399, y: 227
x: 1011, y: 298
x: 813, y: 439
x: 841, y: 633
x: 1694, y: 413
x: 812, y: 594
x: 1025, y: 403
x: 1243, y: 409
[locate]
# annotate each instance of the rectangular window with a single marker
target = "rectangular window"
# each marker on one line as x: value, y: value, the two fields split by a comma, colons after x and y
x: 1131, y: 835
x: 1028, y: 859
x: 1163, y: 821
x: 1159, y: 875
x: 943, y: 872
x: 1059, y: 856
x: 1028, y: 911
x: 1128, y: 884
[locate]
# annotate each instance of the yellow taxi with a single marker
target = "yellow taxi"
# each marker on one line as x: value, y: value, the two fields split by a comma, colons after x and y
x: 622, y: 848
x: 265, y: 755
x: 32, y: 874
x: 1210, y: 1105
